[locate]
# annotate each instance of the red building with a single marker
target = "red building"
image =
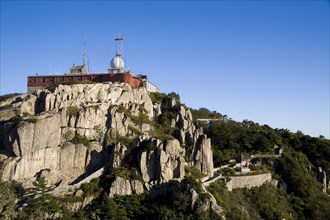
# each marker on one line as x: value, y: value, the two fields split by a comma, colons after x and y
x: 41, y: 82
x: 116, y: 73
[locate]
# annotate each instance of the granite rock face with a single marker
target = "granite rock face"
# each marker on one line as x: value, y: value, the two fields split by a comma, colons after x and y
x: 70, y: 132
x: 163, y: 164
x: 203, y: 157
x: 124, y: 187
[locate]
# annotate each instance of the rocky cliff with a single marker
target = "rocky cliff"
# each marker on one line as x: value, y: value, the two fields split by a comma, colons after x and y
x: 66, y: 134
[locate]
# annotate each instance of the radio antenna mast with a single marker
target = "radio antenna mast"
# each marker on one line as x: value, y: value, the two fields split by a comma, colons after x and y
x: 119, y: 46
x: 85, y: 54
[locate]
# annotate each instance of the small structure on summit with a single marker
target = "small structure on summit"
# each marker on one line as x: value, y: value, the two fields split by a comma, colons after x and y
x: 78, y: 69
x: 116, y: 73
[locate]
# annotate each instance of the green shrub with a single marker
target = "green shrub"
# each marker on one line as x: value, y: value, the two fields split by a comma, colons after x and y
x: 79, y: 139
x: 40, y: 207
x: 194, y: 172
x: 194, y: 184
x: 227, y: 171
x: 70, y: 135
x: 127, y: 173
x: 142, y: 109
x: 122, y: 172
x: 124, y: 140
x: 156, y: 97
x: 122, y: 109
x: 95, y: 107
x: 229, y: 201
x: 261, y: 168
x: 140, y: 119
x: 176, y: 96
x: 132, y: 204
x: 8, y: 200
x: 72, y: 110
x: 204, y: 113
x: 71, y: 198
x: 40, y: 202
x: 168, y: 113
x: 163, y: 130
x: 204, y: 197
x: 130, y: 143
x: 135, y: 130
x: 92, y: 187
x: 161, y: 134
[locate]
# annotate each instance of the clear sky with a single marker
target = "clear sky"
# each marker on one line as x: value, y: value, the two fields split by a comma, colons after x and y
x: 266, y: 61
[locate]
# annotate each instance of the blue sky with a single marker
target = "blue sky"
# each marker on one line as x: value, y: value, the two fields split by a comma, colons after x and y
x: 266, y: 61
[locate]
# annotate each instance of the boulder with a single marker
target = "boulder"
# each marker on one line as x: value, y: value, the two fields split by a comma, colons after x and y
x: 121, y: 186
x: 137, y: 187
x: 203, y: 157
x: 173, y: 147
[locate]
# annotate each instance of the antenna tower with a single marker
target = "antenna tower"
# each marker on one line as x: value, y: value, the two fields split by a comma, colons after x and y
x: 85, y: 54
x: 119, y: 46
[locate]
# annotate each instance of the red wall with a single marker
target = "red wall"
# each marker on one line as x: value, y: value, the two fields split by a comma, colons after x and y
x: 47, y: 81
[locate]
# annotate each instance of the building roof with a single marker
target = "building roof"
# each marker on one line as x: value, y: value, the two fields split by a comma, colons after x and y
x: 76, y: 67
